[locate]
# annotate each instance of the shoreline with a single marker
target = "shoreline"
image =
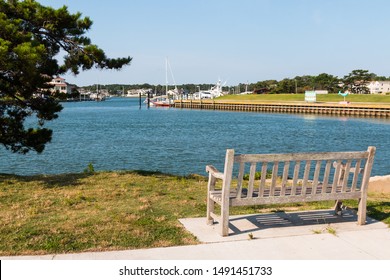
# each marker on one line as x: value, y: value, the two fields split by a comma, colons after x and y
x: 377, y: 183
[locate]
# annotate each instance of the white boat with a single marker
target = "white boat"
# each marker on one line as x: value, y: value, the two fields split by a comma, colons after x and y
x: 97, y: 96
x: 160, y: 101
x: 137, y: 92
x: 213, y: 92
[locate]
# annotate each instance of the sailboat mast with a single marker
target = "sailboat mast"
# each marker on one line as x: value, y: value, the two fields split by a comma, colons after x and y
x: 166, y: 76
x: 97, y: 92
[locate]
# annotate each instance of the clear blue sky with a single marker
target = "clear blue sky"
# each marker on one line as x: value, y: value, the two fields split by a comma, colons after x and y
x: 238, y: 41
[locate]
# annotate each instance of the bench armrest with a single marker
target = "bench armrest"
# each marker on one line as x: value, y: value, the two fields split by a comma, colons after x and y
x: 214, y: 172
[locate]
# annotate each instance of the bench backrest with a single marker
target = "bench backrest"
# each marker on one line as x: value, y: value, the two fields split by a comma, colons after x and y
x: 298, y: 173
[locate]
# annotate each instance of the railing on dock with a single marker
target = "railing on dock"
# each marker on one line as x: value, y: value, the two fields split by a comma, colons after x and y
x: 299, y: 108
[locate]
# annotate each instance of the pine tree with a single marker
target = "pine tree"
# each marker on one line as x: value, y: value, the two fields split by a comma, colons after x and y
x: 31, y: 36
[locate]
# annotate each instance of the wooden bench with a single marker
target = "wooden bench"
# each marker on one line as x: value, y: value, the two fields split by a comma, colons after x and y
x: 294, y: 177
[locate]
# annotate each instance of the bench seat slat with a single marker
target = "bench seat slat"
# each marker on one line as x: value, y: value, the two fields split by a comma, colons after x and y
x: 288, y: 192
x: 295, y: 199
x: 234, y: 200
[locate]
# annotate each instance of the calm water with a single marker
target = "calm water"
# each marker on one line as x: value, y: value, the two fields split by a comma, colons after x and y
x: 116, y: 135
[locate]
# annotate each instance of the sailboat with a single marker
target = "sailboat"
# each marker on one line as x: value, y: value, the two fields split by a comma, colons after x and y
x: 167, y: 99
x: 98, y: 96
x: 160, y: 101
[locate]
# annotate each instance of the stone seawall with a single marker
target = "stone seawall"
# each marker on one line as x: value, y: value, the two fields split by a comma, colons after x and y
x: 379, y: 184
x: 359, y: 110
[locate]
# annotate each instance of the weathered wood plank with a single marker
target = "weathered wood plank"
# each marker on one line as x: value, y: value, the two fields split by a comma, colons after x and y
x: 274, y: 177
x: 356, y: 174
x: 263, y: 178
x: 326, y: 175
x: 345, y: 178
x: 295, y: 177
x: 240, y: 178
x: 217, y: 195
x: 336, y: 176
x: 316, y: 175
x: 294, y: 199
x: 306, y: 176
x: 227, y: 180
x: 286, y: 169
x: 364, y: 189
x: 210, y: 202
x: 215, y: 173
x: 300, y: 156
x: 252, y: 173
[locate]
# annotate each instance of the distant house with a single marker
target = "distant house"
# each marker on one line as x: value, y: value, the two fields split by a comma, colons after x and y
x: 261, y: 91
x: 377, y: 87
x: 60, y: 85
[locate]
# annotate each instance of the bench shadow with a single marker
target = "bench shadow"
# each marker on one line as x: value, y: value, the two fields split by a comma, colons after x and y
x: 258, y: 222
x: 375, y: 210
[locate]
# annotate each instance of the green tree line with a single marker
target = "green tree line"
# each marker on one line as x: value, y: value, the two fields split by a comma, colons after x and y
x: 354, y: 82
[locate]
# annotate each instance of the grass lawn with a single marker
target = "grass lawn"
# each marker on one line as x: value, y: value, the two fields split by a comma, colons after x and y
x: 360, y: 98
x: 113, y: 210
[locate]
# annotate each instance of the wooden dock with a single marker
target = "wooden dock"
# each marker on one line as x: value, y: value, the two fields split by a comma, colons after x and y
x: 352, y: 109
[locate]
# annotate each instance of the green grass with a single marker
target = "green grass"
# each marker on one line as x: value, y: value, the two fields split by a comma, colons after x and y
x: 360, y: 98
x: 113, y: 211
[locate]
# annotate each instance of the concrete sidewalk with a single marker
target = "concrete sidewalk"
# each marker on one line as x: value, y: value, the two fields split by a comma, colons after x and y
x: 311, y: 235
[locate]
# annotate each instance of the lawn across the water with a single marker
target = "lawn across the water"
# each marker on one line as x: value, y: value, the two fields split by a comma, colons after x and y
x: 353, y: 98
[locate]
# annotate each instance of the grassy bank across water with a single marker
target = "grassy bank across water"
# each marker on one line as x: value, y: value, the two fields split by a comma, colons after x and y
x: 353, y: 98
x: 114, y: 211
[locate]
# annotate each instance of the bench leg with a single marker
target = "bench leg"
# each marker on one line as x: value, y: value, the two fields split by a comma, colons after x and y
x: 225, y: 226
x: 210, y: 202
x: 225, y: 220
x: 338, y: 208
x: 210, y: 209
x: 362, y: 211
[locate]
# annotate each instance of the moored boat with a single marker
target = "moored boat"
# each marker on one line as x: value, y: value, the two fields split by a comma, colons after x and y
x: 160, y: 101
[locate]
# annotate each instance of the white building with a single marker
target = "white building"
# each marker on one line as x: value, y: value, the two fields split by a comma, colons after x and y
x: 376, y: 87
x: 61, y: 86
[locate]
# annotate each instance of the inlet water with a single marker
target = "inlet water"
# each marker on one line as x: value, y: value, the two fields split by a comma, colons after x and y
x: 117, y: 135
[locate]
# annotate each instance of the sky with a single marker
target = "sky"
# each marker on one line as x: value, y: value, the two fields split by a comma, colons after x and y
x: 240, y: 41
